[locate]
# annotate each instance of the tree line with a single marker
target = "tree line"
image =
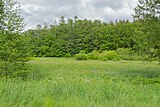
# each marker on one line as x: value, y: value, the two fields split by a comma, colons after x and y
x: 71, y: 36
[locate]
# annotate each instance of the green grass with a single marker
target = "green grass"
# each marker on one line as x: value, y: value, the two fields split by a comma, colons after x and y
x: 63, y: 82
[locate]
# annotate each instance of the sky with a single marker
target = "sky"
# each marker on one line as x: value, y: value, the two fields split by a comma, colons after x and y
x: 37, y: 12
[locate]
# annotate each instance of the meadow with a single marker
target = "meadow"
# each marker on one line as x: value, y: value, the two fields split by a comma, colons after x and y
x: 66, y: 82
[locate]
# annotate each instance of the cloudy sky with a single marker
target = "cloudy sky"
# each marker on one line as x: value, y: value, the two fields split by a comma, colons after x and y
x: 47, y: 11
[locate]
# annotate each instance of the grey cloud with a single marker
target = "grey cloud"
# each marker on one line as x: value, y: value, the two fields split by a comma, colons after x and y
x: 114, y: 4
x: 67, y: 2
x: 41, y: 11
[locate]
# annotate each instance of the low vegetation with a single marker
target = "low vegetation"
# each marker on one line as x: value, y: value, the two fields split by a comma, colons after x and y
x: 66, y: 82
x: 119, y: 54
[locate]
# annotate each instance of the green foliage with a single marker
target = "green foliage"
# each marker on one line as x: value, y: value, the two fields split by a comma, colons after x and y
x: 82, y: 52
x: 109, y: 55
x: 152, y: 55
x: 128, y: 54
x: 148, y: 13
x: 72, y: 36
x: 14, y: 53
x: 94, y: 55
x: 125, y: 53
x: 81, y: 56
x: 10, y: 20
x: 68, y: 55
x: 14, y: 47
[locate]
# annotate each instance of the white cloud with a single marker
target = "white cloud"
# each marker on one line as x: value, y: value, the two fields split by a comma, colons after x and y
x: 41, y: 11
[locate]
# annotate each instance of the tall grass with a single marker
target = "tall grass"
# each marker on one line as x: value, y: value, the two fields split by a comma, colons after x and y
x: 63, y: 82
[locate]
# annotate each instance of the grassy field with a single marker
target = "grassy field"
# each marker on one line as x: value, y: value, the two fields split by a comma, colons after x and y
x: 62, y: 82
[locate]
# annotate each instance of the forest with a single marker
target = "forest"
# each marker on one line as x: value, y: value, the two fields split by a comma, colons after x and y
x: 71, y: 36
x: 80, y: 62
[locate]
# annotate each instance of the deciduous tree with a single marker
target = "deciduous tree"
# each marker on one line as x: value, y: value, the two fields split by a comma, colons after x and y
x: 148, y: 13
x: 14, y: 51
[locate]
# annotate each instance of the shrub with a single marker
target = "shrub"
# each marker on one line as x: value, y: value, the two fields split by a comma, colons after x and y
x: 109, y: 55
x: 154, y: 53
x: 82, y: 52
x: 124, y: 53
x: 81, y: 56
x: 128, y: 54
x: 68, y: 55
x: 94, y: 55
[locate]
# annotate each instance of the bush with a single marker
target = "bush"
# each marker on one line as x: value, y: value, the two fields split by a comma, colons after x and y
x: 124, y: 53
x: 81, y: 56
x: 68, y: 55
x: 94, y: 55
x: 109, y: 55
x: 82, y: 52
x: 154, y: 53
x: 128, y: 54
